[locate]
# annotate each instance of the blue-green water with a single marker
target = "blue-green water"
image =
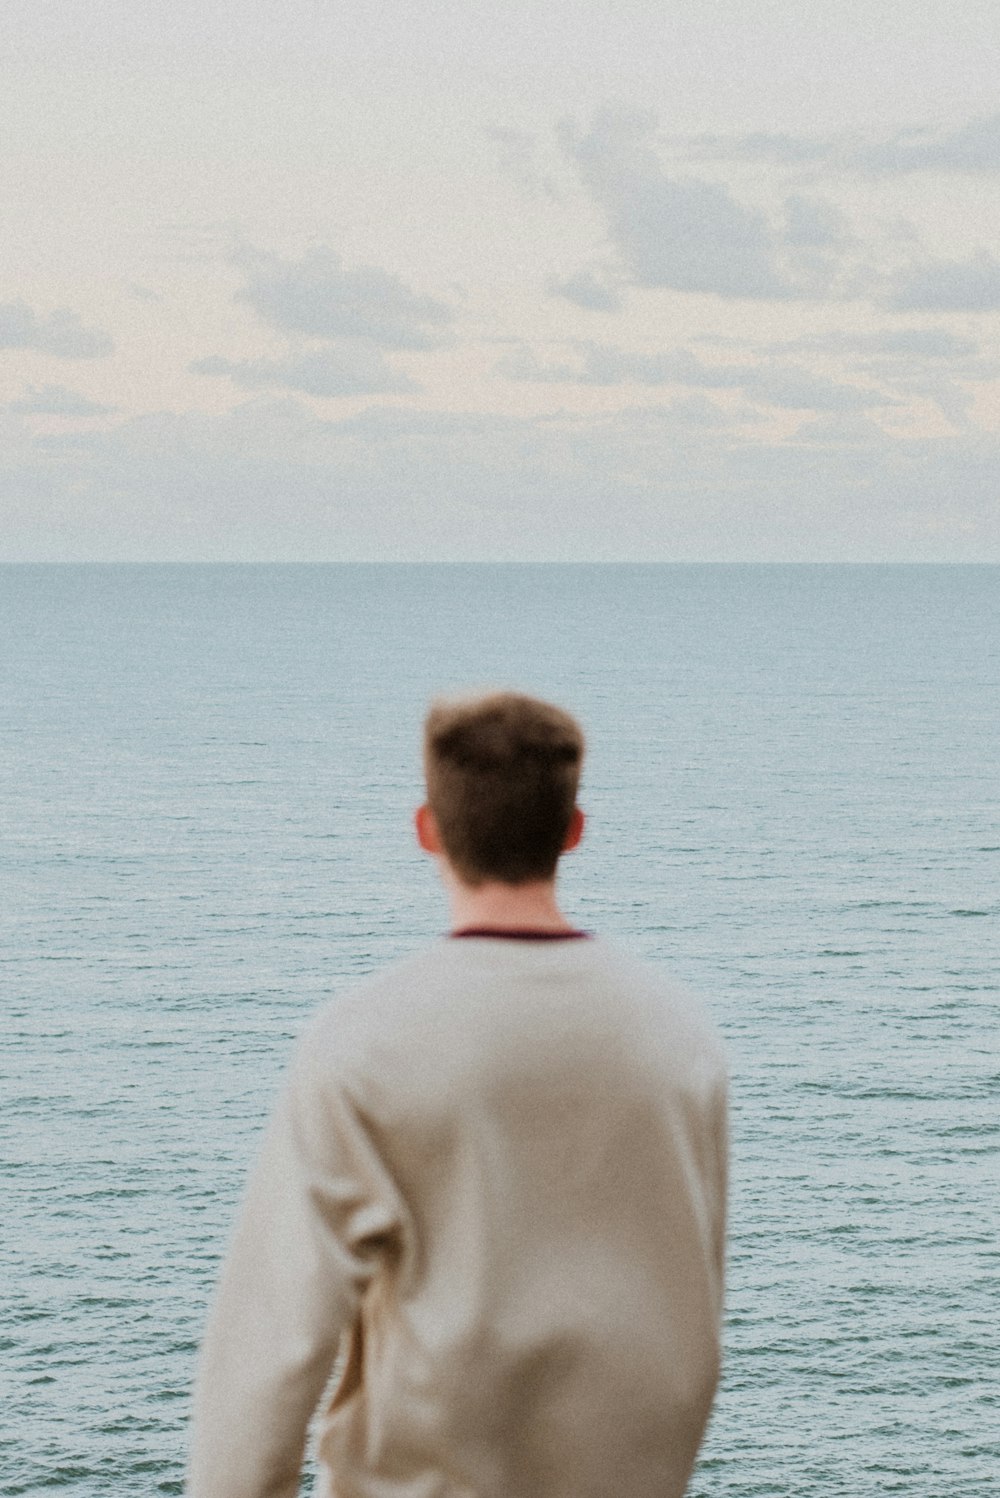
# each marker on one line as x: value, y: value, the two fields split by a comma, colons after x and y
x: 208, y: 775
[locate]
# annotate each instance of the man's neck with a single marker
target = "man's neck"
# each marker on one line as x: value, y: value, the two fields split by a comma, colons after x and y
x: 505, y: 907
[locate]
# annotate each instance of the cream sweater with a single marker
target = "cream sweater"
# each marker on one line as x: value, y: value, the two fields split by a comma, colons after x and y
x: 495, y: 1185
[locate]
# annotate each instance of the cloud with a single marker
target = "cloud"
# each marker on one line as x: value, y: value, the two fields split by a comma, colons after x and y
x: 955, y: 401
x: 892, y: 354
x: 683, y: 234
x: 795, y: 389
x: 523, y: 364
x: 56, y: 400
x: 61, y: 333
x: 913, y: 364
x: 319, y: 297
x: 813, y: 223
x: 950, y: 286
x: 974, y: 147
x: 781, y: 149
x: 602, y: 364
x: 698, y: 411
x: 849, y: 430
x: 585, y: 289
x: 346, y: 369
x: 787, y: 386
x: 906, y: 343
x: 518, y: 158
x: 271, y: 480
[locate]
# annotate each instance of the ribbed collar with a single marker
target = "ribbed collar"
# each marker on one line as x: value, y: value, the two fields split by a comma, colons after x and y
x: 520, y: 933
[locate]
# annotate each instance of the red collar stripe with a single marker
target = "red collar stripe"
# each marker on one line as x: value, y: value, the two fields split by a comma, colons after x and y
x: 520, y: 933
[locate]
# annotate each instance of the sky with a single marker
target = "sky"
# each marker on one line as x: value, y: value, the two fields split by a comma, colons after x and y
x: 645, y: 281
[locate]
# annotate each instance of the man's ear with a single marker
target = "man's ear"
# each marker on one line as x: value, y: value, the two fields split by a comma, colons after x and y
x: 574, y: 831
x: 427, y: 829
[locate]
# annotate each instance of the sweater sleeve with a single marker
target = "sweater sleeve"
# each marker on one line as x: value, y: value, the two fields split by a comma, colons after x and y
x: 720, y: 1135
x: 318, y: 1211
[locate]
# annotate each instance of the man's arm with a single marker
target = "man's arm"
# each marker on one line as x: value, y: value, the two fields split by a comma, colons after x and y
x: 318, y: 1207
x: 720, y: 1121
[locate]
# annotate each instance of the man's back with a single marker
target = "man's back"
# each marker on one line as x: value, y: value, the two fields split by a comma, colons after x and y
x: 500, y: 1166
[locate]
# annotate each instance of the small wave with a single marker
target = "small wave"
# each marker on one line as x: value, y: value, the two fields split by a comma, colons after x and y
x: 888, y: 905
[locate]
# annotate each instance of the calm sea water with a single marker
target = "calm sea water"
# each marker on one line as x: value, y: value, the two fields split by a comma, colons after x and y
x: 208, y: 775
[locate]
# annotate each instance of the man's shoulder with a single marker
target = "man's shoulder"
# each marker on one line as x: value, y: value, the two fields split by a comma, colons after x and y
x: 416, y: 990
x: 675, y: 1012
x: 363, y: 1005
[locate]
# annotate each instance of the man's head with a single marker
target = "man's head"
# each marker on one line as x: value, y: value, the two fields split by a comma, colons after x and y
x: 502, y: 774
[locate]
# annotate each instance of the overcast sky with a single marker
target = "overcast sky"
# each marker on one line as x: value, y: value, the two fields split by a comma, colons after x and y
x: 460, y: 279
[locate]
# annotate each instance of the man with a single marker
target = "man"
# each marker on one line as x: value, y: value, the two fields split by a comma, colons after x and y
x: 492, y: 1195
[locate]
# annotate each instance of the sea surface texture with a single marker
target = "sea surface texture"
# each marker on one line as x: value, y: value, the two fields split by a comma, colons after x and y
x: 208, y: 777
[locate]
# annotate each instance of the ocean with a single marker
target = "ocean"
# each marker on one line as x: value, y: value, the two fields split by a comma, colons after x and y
x: 208, y: 778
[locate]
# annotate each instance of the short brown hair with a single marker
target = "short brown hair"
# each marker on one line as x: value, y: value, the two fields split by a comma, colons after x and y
x: 502, y: 774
